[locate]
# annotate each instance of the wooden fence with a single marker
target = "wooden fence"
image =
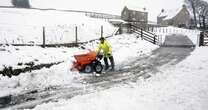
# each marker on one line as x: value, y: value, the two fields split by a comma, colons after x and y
x: 148, y: 36
x: 45, y: 37
x: 203, y: 41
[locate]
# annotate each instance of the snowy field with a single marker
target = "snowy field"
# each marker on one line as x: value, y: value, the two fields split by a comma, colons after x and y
x: 22, y: 26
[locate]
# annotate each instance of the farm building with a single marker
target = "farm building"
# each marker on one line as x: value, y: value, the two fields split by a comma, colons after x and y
x: 180, y: 17
x: 134, y: 16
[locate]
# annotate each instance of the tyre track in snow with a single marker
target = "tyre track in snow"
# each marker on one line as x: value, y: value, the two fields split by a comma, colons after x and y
x: 140, y: 68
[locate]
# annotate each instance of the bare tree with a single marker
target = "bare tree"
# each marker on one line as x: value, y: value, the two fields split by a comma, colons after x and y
x: 200, y: 9
x: 193, y: 4
x: 202, y: 12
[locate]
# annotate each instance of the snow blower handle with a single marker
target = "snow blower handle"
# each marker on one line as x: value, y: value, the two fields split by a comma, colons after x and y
x: 100, y: 55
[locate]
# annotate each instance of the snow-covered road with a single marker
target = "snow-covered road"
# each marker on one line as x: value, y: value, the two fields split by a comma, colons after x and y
x: 140, y: 68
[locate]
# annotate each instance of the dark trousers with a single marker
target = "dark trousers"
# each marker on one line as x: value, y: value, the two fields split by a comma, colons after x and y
x: 111, y: 61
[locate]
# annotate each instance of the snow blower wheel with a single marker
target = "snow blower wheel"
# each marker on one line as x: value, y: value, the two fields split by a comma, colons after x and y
x: 98, y: 68
x: 88, y: 68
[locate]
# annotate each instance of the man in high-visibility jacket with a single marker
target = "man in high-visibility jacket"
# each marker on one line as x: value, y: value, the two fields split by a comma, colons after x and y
x: 107, y: 50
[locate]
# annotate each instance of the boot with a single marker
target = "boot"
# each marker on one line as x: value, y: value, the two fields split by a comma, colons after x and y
x: 112, y: 63
x: 106, y: 63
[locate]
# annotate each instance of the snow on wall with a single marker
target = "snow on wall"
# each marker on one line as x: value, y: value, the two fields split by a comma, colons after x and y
x: 162, y: 32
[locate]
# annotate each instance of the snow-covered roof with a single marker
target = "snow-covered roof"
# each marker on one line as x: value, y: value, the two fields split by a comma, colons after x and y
x: 136, y: 8
x: 168, y: 14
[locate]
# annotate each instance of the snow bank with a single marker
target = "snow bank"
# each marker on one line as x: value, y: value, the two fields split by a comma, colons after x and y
x: 56, y: 75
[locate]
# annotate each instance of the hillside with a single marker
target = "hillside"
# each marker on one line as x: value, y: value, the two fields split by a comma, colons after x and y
x: 106, y: 6
x: 26, y: 26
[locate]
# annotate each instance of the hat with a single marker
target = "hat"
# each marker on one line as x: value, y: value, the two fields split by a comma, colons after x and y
x: 102, y: 38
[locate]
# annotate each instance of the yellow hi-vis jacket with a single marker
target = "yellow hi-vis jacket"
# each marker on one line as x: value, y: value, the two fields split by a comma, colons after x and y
x: 106, y: 47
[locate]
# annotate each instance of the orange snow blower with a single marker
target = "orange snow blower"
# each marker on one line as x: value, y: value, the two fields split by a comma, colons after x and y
x: 88, y: 63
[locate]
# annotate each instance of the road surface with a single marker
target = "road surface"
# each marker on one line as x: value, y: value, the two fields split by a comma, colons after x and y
x: 144, y: 67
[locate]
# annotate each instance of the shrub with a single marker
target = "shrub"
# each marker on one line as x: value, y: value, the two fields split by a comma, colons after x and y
x: 21, y: 3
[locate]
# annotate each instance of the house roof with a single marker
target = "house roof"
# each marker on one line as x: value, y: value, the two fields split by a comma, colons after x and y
x: 168, y: 14
x: 136, y: 8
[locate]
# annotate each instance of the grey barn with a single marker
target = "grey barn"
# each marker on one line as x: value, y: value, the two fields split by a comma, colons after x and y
x: 136, y: 17
x: 181, y: 18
